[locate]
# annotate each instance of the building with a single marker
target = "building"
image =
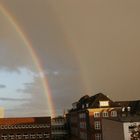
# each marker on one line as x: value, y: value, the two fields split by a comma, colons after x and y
x: 31, y: 128
x: 59, y: 128
x: 86, y: 116
x: 127, y: 128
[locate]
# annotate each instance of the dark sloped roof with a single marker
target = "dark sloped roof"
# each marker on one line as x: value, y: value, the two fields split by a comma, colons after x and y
x: 93, y: 101
x: 122, y: 103
x: 135, y: 106
x: 99, y: 97
x: 84, y: 99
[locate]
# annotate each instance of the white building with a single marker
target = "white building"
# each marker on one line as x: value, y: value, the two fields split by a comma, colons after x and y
x: 121, y: 129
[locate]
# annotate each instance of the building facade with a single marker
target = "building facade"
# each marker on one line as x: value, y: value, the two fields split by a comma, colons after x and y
x: 31, y: 128
x: 121, y: 129
x: 59, y: 128
x: 86, y: 116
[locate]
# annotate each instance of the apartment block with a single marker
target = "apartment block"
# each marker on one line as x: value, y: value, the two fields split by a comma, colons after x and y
x: 30, y: 128
x: 86, y: 116
x: 59, y: 128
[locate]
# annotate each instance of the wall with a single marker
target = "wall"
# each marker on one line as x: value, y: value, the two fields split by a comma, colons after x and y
x: 112, y: 130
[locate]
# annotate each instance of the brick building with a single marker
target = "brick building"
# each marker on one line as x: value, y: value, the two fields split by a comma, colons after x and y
x: 31, y: 128
x: 86, y: 116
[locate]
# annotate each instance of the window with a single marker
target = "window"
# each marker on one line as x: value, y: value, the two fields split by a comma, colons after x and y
x: 82, y: 115
x: 82, y: 124
x: 15, y: 127
x: 11, y: 137
x: 32, y: 136
x: 83, y: 136
x: 39, y: 135
x: 5, y: 127
x: 4, y: 137
x: 96, y: 114
x: 104, y: 103
x: 11, y: 127
x: 47, y: 126
x: 43, y: 125
x: 18, y: 136
x: 8, y: 126
x: 30, y: 126
x: 33, y: 126
x: 105, y: 114
x: 98, y: 136
x: 25, y: 136
x: 26, y: 126
x: 97, y: 125
x: 46, y: 135
x: 113, y: 113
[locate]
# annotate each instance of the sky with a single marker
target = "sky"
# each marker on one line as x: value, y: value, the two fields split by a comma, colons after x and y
x: 83, y: 47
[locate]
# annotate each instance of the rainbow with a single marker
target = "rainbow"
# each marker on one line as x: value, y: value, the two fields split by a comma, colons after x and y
x: 34, y: 56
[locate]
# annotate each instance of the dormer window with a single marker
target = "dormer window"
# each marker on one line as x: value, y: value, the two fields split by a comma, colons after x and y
x: 96, y: 114
x: 87, y: 105
x: 83, y: 106
x: 105, y: 114
x: 104, y: 103
x: 123, y: 109
x: 113, y: 113
x: 128, y: 108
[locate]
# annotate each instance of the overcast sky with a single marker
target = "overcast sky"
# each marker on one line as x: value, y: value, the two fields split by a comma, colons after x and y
x: 85, y: 47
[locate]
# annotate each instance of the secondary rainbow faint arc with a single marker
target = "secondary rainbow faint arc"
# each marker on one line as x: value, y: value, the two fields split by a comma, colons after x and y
x: 33, y: 55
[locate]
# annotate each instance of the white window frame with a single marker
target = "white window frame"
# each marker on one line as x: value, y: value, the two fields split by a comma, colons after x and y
x: 96, y: 114
x: 97, y: 125
x: 104, y: 103
x: 98, y: 136
x: 11, y: 136
x: 105, y: 114
x: 113, y: 113
x: 19, y: 136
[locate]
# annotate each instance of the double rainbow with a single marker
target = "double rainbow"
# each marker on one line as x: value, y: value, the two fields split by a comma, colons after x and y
x: 34, y: 56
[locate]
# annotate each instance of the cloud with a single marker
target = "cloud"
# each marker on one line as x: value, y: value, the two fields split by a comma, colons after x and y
x: 27, y: 84
x: 13, y: 99
x: 36, y: 90
x: 2, y: 86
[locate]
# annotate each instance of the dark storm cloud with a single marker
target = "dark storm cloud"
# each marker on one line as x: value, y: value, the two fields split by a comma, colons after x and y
x: 2, y: 86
